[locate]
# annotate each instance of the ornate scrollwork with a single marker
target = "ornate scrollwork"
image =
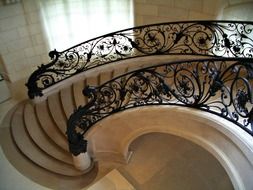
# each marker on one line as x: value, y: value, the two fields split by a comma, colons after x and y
x: 221, y: 86
x: 212, y: 38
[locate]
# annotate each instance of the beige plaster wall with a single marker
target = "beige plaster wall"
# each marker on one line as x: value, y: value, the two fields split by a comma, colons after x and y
x: 23, y: 45
x: 150, y: 11
x: 155, y: 11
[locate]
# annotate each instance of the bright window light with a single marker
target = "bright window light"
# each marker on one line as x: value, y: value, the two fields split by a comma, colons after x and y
x: 70, y: 22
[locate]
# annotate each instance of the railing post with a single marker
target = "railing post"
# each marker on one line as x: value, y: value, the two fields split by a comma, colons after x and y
x: 78, y: 147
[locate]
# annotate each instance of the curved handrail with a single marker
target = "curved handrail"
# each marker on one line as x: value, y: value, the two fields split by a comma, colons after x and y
x: 219, y: 86
x: 210, y: 38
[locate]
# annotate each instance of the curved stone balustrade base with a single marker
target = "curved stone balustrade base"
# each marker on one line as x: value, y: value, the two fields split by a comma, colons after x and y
x: 110, y: 138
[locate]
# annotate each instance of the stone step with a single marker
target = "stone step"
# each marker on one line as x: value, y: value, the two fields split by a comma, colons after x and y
x: 104, y: 77
x: 41, y: 139
x: 56, y: 110
x: 49, y: 127
x: 6, y: 122
x: 67, y: 100
x: 41, y: 175
x: 92, y: 81
x: 33, y: 152
x: 36, y: 173
x: 85, y: 98
x: 77, y: 92
x: 118, y: 71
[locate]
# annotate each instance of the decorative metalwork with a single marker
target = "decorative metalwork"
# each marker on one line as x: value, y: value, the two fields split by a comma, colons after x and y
x: 210, y: 38
x: 219, y: 86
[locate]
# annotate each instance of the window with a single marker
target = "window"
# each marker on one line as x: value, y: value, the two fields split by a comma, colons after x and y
x: 239, y: 11
x: 69, y: 22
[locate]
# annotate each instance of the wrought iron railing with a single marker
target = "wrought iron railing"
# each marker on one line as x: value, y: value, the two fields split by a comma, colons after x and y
x: 209, y: 38
x: 219, y: 86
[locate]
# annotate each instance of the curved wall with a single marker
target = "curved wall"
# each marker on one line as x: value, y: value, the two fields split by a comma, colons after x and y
x: 110, y: 138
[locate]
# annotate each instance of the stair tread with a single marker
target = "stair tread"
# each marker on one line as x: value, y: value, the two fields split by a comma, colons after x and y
x: 119, y: 71
x: 67, y: 100
x: 78, y: 95
x: 49, y: 126
x: 92, y: 81
x: 38, y: 174
x: 7, y: 118
x: 104, y: 77
x: 57, y: 113
x: 30, y: 150
x: 41, y: 139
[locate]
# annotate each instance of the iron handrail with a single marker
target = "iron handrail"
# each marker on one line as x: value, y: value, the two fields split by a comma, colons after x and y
x: 209, y: 38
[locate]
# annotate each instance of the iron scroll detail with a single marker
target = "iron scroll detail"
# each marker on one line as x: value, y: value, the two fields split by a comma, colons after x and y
x: 210, y: 38
x: 77, y: 144
x: 222, y: 87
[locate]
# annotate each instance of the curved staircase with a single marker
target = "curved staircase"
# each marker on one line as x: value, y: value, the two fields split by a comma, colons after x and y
x: 36, y: 136
x: 37, y: 130
x: 34, y: 132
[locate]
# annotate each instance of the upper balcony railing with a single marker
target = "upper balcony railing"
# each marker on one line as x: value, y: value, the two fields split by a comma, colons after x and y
x: 209, y: 38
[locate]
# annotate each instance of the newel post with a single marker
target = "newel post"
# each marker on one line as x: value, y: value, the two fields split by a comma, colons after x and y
x: 77, y: 143
x: 78, y: 148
